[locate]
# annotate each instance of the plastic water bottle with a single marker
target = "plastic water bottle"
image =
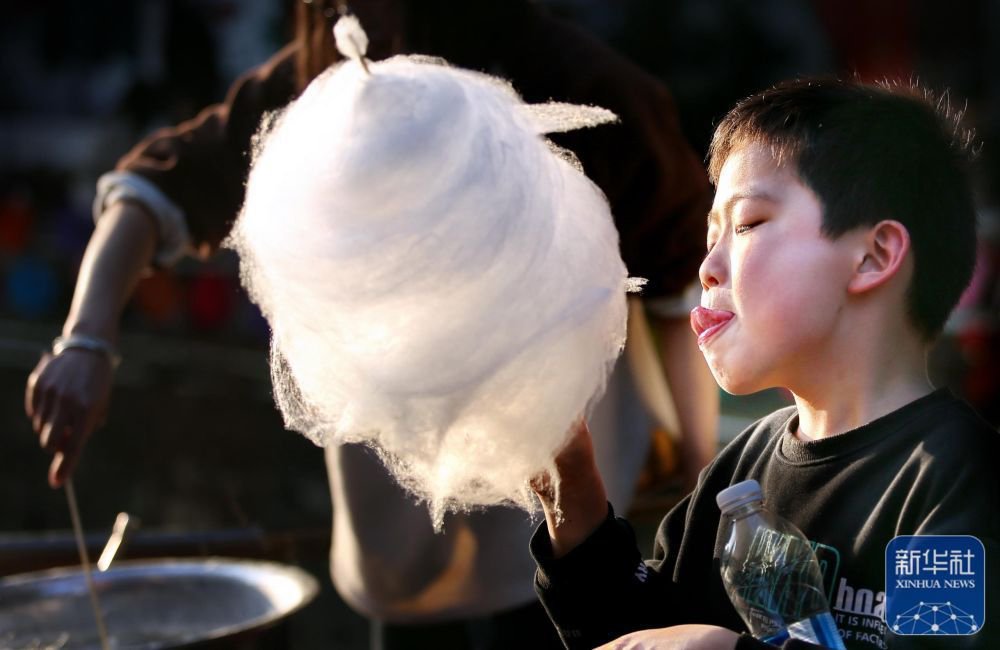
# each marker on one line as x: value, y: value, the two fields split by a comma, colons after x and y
x: 771, y: 574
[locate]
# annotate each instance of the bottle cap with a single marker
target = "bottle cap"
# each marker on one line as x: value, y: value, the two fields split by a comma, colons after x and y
x: 738, y: 495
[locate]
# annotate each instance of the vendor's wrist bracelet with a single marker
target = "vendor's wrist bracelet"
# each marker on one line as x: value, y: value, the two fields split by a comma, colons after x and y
x: 84, y: 342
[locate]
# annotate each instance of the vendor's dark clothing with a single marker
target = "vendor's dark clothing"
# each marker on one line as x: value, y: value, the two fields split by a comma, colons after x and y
x: 928, y: 468
x: 658, y: 189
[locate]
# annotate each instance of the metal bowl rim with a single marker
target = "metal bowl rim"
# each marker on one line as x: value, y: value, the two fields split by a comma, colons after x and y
x: 250, y: 572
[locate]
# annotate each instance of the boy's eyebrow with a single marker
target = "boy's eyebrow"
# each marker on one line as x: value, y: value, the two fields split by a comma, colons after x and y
x: 727, y: 207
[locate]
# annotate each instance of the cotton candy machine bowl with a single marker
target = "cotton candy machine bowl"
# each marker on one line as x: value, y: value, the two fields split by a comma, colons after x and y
x: 150, y: 604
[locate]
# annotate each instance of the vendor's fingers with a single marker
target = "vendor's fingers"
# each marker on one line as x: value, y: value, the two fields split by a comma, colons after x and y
x: 29, y: 394
x: 58, y: 427
x: 64, y: 463
x: 32, y: 393
x: 61, y: 468
x: 66, y: 459
x: 45, y: 403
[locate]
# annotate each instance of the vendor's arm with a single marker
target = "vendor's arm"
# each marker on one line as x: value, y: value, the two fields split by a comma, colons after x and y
x: 175, y: 191
x: 68, y: 394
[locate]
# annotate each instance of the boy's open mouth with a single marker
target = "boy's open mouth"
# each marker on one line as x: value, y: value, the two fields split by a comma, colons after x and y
x: 706, y: 322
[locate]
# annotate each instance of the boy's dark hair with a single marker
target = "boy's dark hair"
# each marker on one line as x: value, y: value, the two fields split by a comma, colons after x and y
x: 871, y: 153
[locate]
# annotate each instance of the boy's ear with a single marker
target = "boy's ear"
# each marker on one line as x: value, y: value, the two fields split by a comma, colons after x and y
x: 885, y: 247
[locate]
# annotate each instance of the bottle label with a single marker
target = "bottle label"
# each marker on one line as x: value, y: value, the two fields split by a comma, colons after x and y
x: 780, y: 574
x: 819, y: 629
x: 780, y: 587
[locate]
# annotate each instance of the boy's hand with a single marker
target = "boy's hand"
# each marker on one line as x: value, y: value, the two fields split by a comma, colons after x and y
x: 66, y: 399
x: 678, y: 637
x: 575, y: 504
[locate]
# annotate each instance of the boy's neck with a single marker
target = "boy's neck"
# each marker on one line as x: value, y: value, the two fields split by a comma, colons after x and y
x: 862, y: 386
x: 844, y: 413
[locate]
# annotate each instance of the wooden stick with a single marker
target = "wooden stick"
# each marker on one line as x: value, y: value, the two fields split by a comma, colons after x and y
x: 74, y: 514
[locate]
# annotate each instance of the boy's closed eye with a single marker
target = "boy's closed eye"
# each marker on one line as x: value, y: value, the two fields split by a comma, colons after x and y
x: 742, y: 228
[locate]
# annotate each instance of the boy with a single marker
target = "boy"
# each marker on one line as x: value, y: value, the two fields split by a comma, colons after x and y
x: 842, y: 234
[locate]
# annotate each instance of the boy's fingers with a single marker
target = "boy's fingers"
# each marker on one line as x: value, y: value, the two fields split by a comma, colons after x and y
x: 579, y: 434
x: 576, y: 447
x: 541, y: 485
x: 579, y: 446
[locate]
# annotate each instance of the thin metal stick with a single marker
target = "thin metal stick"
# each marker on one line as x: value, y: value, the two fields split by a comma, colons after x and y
x: 74, y: 514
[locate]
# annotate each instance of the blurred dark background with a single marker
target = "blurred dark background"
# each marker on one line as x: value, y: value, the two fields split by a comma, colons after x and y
x: 193, y: 445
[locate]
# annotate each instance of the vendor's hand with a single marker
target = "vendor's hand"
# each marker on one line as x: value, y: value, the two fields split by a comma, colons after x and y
x: 576, y: 503
x: 66, y: 399
x: 678, y: 637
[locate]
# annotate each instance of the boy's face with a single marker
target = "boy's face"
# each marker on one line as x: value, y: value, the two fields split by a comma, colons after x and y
x: 773, y: 287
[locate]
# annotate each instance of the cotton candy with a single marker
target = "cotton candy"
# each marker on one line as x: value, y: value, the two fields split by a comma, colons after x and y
x: 440, y: 282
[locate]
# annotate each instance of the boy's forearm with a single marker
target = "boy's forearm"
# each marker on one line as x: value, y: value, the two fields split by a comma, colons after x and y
x: 120, y: 250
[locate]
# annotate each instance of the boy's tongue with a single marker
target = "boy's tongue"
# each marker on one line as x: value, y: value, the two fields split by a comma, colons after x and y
x: 704, y: 319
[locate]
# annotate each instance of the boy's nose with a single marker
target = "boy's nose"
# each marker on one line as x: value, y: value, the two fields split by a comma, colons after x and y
x: 711, y: 272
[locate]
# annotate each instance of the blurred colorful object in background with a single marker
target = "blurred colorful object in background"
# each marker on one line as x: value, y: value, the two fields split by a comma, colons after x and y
x: 211, y: 300
x: 159, y: 298
x: 32, y: 288
x: 17, y: 219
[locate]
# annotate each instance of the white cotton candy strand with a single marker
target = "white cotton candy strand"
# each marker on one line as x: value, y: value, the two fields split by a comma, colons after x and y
x: 439, y: 283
